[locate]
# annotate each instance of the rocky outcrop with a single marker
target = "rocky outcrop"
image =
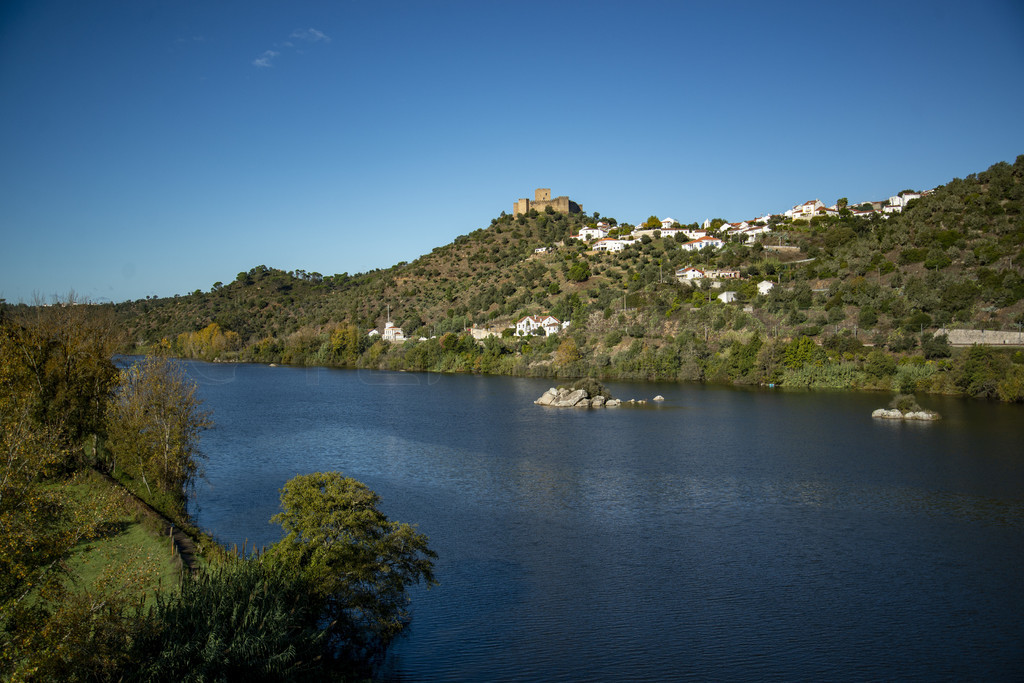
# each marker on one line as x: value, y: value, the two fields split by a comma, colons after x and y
x: 574, y: 398
x: 894, y: 414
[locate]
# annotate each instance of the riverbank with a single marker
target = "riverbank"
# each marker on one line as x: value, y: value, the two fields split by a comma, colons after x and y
x: 132, y: 544
x: 740, y: 359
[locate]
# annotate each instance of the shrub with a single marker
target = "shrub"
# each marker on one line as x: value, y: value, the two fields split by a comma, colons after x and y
x: 242, y: 620
x: 904, y: 403
x: 590, y: 385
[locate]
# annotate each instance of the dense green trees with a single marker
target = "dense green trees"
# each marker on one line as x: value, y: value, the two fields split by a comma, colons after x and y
x: 59, y: 365
x: 153, y: 425
x: 55, y: 377
x: 354, y: 559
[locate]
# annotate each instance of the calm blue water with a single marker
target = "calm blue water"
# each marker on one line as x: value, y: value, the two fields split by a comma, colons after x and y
x: 724, y: 534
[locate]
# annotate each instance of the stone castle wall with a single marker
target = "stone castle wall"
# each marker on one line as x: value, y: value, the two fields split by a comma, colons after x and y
x: 542, y: 200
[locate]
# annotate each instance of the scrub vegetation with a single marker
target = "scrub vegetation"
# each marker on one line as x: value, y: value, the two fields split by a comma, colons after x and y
x: 91, y: 586
x: 857, y: 302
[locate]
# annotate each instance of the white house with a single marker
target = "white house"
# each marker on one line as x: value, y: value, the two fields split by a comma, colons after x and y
x: 727, y: 297
x: 541, y: 250
x: 764, y: 287
x: 546, y: 324
x: 805, y: 210
x: 698, y: 244
x: 751, y: 233
x: 392, y: 333
x: 587, y: 234
x: 689, y: 273
x: 668, y: 223
x: 669, y: 233
x: 898, y: 202
x: 695, y: 234
x: 609, y: 244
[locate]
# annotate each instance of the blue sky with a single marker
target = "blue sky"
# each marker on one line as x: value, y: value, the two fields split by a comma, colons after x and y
x: 154, y: 147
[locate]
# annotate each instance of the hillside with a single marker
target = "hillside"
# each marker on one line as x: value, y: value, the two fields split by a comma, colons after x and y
x: 846, y: 285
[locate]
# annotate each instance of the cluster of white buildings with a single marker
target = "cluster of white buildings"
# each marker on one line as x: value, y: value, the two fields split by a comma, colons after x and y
x: 816, y: 207
x: 697, y: 239
x: 531, y: 325
x: 745, y: 231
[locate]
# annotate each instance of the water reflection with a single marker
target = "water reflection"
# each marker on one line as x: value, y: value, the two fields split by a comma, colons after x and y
x: 725, y: 534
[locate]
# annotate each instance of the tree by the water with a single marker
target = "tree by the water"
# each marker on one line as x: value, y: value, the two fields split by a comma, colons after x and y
x: 358, y: 561
x: 153, y: 428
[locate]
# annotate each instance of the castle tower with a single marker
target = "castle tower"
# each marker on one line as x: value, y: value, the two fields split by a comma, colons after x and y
x: 542, y: 194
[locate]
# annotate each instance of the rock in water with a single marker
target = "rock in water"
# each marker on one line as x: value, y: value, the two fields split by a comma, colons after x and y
x: 573, y: 398
x: 548, y: 397
x: 921, y: 415
x: 894, y: 414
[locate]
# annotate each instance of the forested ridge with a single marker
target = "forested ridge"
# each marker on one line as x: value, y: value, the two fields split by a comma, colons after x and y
x: 857, y: 302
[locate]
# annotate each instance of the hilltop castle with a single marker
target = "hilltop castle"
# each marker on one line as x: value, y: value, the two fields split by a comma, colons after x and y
x: 542, y: 200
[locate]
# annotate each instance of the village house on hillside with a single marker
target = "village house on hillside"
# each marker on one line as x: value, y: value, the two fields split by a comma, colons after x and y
x: 689, y: 273
x: 612, y: 245
x: 392, y: 333
x: 698, y: 244
x: 806, y: 210
x: 588, y: 234
x: 539, y: 324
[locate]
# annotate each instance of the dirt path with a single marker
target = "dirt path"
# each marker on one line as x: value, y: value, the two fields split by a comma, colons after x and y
x: 184, y: 547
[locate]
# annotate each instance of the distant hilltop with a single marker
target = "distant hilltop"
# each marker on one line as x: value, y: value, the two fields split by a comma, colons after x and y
x: 542, y: 200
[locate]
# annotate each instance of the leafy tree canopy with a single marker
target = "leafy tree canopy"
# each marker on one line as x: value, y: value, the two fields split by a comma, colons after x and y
x: 358, y: 561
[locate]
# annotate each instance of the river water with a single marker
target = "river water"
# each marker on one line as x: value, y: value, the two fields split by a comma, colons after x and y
x: 724, y: 534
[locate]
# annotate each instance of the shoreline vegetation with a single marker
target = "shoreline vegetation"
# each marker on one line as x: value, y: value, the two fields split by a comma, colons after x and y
x: 104, y: 575
x: 853, y: 299
x: 971, y: 372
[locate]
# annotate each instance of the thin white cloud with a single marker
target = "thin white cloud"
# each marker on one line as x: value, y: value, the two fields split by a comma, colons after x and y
x: 310, y: 35
x: 265, y: 60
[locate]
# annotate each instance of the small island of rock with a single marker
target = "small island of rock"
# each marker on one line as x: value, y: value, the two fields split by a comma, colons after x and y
x: 904, y: 407
x: 588, y: 393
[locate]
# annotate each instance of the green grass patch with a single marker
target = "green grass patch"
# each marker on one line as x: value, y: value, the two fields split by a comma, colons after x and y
x: 129, y: 554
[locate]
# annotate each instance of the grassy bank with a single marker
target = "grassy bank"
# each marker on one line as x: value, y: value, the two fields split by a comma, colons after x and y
x: 131, y: 547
